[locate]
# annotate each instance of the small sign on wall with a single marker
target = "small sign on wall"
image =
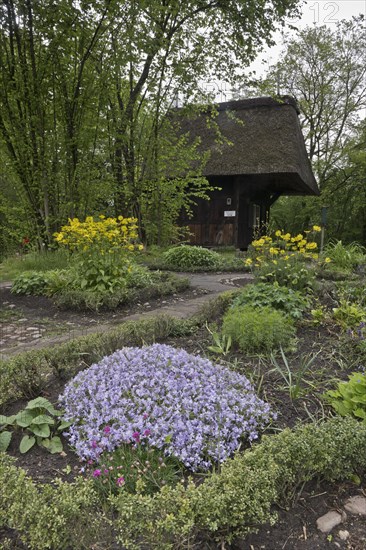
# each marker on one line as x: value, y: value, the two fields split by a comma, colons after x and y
x: 229, y: 213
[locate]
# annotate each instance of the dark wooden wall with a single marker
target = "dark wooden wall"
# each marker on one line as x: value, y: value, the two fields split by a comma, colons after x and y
x: 210, y: 227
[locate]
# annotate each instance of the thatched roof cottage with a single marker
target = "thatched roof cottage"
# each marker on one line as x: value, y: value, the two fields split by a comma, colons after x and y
x: 262, y: 155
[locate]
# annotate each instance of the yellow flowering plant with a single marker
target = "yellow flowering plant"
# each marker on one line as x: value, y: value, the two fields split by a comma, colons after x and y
x: 281, y: 258
x: 102, y: 248
x: 104, y: 234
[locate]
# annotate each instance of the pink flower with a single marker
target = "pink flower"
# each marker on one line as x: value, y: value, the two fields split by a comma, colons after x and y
x: 107, y: 430
x: 97, y: 473
x: 94, y: 444
x: 147, y: 432
x: 136, y: 437
x: 106, y: 471
x: 145, y: 415
x: 120, y: 481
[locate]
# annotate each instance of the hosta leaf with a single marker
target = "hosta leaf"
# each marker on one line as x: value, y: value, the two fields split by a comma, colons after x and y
x: 25, y: 418
x: 41, y: 403
x: 43, y: 419
x: 41, y: 430
x: 26, y: 443
x: 5, y: 438
x: 6, y: 420
x: 55, y: 445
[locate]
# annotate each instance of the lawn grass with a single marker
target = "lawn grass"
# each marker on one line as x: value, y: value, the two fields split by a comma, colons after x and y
x: 33, y: 261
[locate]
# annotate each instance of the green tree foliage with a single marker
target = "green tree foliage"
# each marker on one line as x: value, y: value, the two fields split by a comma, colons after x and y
x: 84, y: 92
x: 324, y: 69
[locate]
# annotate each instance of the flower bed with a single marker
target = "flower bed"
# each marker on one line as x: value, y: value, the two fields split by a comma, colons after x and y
x: 181, y: 403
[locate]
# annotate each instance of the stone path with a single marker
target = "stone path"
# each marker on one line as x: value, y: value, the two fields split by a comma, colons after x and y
x: 28, y: 337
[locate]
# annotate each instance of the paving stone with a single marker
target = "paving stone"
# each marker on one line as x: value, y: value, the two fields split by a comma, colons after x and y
x: 356, y: 505
x: 330, y: 520
x: 343, y: 535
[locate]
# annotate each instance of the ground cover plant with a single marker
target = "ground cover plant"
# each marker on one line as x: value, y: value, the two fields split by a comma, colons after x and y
x: 183, y: 404
x: 134, y: 495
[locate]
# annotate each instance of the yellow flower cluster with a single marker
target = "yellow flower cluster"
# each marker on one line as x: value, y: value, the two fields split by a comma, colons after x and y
x: 104, y: 234
x: 283, y: 246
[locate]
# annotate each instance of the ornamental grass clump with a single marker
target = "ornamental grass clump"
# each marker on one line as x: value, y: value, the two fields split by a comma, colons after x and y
x: 193, y: 410
x: 259, y: 330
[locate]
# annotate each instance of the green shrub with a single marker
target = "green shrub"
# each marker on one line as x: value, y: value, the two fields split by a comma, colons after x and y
x: 42, y: 283
x: 214, y: 309
x: 84, y: 300
x: 58, y: 280
x: 292, y: 273
x: 24, y: 375
x: 278, y: 297
x: 185, y: 257
x: 350, y: 397
x: 138, y: 276
x: 258, y: 330
x: 30, y: 282
x: 345, y: 257
x: 239, y: 498
x: 227, y: 504
x: 163, y: 521
x: 101, y: 273
x: 61, y: 516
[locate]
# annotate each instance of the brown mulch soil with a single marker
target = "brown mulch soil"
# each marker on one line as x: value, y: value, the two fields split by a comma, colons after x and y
x: 296, y: 527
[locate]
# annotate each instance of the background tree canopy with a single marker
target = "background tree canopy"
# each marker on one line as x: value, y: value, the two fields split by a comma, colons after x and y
x: 325, y: 70
x: 84, y: 90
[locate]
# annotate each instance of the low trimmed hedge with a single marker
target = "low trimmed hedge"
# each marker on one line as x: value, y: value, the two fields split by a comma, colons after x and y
x: 228, y: 504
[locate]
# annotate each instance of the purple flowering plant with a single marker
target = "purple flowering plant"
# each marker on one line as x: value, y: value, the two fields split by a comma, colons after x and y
x: 165, y: 398
x: 133, y: 467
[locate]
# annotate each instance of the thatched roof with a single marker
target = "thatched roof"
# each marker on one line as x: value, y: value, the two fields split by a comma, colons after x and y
x: 266, y: 143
